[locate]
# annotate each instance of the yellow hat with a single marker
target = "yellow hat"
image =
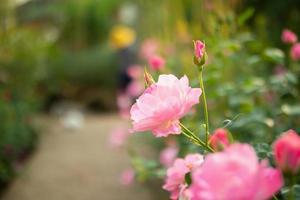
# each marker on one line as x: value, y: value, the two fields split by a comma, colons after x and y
x: 122, y: 36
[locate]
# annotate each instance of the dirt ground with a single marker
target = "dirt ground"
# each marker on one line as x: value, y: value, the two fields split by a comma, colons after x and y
x: 76, y: 165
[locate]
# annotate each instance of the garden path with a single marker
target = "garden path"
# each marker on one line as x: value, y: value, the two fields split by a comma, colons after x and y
x: 77, y: 165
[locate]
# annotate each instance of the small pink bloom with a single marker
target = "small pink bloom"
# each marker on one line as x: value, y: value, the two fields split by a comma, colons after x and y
x: 127, y: 177
x: 123, y: 101
x: 219, y: 139
x: 118, y: 137
x: 135, y: 71
x: 168, y: 155
x: 124, y: 113
x: 192, y: 161
x: 175, y: 180
x: 135, y: 88
x: 156, y: 62
x: 162, y: 104
x: 233, y: 175
x: 288, y: 36
x: 287, y: 152
x: 148, y: 48
x: 199, y: 48
x: 295, y: 52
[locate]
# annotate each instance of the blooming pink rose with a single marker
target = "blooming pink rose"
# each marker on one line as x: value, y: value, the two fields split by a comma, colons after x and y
x: 135, y: 71
x: 148, y: 48
x: 162, y: 104
x: 288, y: 36
x: 127, y: 177
x: 219, y: 139
x: 168, y: 155
x: 175, y: 180
x: 287, y: 152
x: 235, y: 174
x: 118, y: 137
x: 295, y: 52
x: 156, y: 62
x: 199, y: 48
x: 135, y: 88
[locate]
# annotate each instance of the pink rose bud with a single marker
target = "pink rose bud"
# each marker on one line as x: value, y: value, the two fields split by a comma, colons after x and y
x: 287, y: 152
x: 295, y: 52
x: 199, y: 53
x: 288, y: 36
x: 156, y: 62
x: 148, y: 78
x: 199, y: 48
x: 219, y: 139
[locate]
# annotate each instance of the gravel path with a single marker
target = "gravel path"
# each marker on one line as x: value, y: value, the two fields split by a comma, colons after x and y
x: 76, y: 165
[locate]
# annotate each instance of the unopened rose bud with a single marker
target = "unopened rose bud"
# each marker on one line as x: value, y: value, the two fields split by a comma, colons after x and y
x: 295, y: 52
x: 156, y: 62
x: 288, y: 37
x: 219, y: 139
x: 199, y: 53
x: 287, y: 152
x: 148, y: 78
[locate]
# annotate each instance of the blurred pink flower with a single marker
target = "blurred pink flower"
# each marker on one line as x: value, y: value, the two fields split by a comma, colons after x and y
x: 175, y: 180
x: 233, y: 175
x: 118, y: 137
x: 135, y: 71
x: 287, y: 151
x: 127, y: 177
x: 288, y: 36
x: 295, y: 52
x: 123, y: 101
x: 168, y: 155
x: 219, y: 139
x: 148, y: 48
x: 156, y: 62
x: 199, y: 48
x: 162, y: 104
x: 124, y: 113
x: 135, y: 88
x: 192, y: 161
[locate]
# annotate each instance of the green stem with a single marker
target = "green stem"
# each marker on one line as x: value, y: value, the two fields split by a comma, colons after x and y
x: 204, y: 104
x: 274, y: 197
x: 196, y: 139
x: 292, y: 183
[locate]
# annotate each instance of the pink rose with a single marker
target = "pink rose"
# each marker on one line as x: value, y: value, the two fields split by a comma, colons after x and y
x: 156, y: 62
x: 199, y: 48
x: 168, y: 155
x: 287, y: 152
x: 295, y: 52
x: 288, y: 36
x: 235, y: 174
x: 219, y: 139
x: 175, y: 180
x: 162, y: 104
